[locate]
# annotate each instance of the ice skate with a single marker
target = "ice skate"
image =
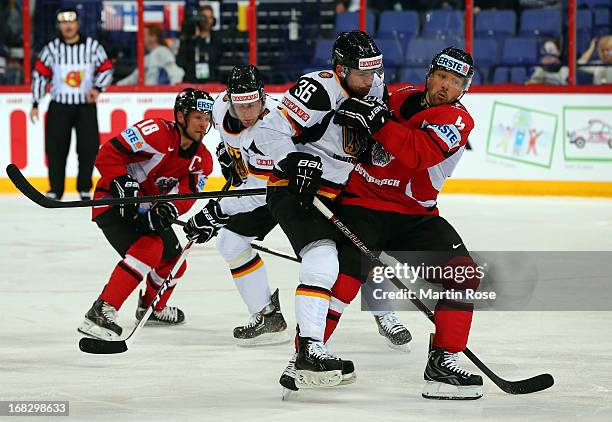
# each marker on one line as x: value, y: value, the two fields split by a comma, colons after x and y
x: 101, y: 322
x: 265, y: 327
x: 169, y: 315
x: 287, y: 379
x: 395, y: 333
x: 446, y: 380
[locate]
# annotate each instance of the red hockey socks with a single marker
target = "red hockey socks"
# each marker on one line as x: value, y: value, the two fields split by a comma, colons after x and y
x: 453, y: 321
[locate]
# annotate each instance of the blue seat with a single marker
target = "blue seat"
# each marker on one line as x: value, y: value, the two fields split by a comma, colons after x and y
x: 443, y: 22
x: 349, y: 21
x: 541, y: 22
x: 392, y: 52
x: 413, y: 75
x: 498, y: 24
x: 593, y: 3
x: 519, y: 50
x: 477, y: 79
x: 485, y: 52
x: 518, y: 75
x: 501, y: 75
x: 420, y: 51
x: 584, y: 29
x: 601, y: 21
x: 322, y: 54
x: 403, y: 25
x: 584, y: 20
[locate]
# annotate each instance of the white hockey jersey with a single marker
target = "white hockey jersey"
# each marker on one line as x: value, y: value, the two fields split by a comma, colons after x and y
x: 305, y: 123
x: 254, y: 167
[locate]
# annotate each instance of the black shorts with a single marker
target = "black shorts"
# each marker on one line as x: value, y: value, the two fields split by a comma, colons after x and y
x: 122, y: 234
x: 257, y: 223
x: 406, y: 235
x: 301, y: 226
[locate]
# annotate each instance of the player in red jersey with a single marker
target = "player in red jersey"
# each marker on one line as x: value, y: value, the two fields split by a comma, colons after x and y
x: 390, y: 203
x: 153, y: 157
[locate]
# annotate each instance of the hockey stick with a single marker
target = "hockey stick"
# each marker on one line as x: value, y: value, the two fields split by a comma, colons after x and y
x: 32, y: 194
x: 105, y: 347
x: 257, y: 247
x: 526, y: 386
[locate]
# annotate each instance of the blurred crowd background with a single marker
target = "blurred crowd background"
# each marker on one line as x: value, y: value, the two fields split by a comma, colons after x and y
x: 515, y: 41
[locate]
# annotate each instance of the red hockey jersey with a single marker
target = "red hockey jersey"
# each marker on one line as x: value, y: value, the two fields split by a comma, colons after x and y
x: 405, y: 169
x: 150, y: 151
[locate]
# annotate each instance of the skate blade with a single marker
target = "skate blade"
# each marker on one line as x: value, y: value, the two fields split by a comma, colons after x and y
x: 348, y: 378
x: 404, y: 348
x: 156, y: 323
x: 440, y: 391
x: 265, y: 339
x: 92, y: 330
x: 287, y: 394
x: 312, y: 379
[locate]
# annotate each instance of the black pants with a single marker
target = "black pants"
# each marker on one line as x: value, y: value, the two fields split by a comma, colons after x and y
x: 122, y: 234
x: 256, y: 223
x: 61, y: 118
x: 415, y: 235
x: 301, y: 226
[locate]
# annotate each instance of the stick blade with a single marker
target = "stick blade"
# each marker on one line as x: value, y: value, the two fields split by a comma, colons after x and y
x: 530, y: 385
x: 102, y: 347
x: 26, y: 188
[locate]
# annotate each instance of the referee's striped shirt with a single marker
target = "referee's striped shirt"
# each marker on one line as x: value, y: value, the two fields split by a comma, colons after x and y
x: 72, y: 69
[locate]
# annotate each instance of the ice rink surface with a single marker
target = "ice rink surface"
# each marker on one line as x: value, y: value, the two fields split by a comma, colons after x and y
x: 55, y: 262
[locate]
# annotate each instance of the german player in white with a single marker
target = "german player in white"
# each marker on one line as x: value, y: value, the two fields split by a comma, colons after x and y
x: 390, y: 201
x: 314, y: 156
x: 152, y: 157
x: 237, y: 221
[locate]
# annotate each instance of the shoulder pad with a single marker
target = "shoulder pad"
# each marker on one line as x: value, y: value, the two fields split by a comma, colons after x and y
x: 311, y: 93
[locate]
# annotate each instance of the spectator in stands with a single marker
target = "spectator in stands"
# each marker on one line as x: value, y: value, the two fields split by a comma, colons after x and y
x: 159, y: 62
x: 200, y: 50
x: 602, y: 69
x: 11, y: 30
x: 342, y: 6
x: 550, y: 71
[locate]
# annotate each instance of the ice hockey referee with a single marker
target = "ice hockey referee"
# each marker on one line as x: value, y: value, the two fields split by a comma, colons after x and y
x: 79, y: 70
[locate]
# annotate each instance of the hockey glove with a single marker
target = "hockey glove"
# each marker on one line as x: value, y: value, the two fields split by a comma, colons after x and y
x: 204, y: 225
x: 125, y: 186
x: 366, y: 115
x: 304, y: 172
x: 228, y: 165
x: 159, y: 217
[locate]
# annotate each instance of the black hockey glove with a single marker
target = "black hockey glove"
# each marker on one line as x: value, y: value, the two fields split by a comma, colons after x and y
x: 366, y: 115
x: 204, y: 225
x: 159, y: 217
x: 304, y: 172
x: 125, y: 186
x: 228, y: 165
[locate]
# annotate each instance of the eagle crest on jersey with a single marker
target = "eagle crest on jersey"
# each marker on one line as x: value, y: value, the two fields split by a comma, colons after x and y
x: 353, y: 143
x: 380, y: 156
x: 236, y: 155
x: 166, y: 184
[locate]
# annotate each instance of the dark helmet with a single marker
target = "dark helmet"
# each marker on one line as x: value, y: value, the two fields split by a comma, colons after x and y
x: 456, y: 61
x: 190, y: 99
x: 193, y: 99
x: 356, y: 50
x: 67, y: 14
x: 245, y: 79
